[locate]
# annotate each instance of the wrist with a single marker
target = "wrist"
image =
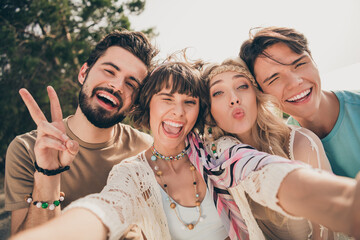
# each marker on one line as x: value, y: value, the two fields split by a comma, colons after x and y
x: 50, y: 172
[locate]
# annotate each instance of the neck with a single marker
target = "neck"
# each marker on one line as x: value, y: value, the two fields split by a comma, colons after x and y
x: 86, y: 131
x: 324, y: 119
x: 168, y: 151
x: 170, y: 166
x: 246, y: 138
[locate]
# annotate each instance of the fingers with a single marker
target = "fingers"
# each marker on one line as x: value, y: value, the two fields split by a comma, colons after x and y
x: 66, y: 157
x: 56, y: 113
x: 35, y: 112
x: 50, y: 143
x: 47, y: 129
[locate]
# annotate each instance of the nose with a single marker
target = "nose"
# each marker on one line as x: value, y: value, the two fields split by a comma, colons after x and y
x: 234, y: 99
x: 178, y: 109
x: 293, y: 80
x: 117, y: 84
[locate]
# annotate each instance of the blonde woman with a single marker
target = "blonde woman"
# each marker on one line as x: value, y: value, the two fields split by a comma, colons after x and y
x: 239, y: 109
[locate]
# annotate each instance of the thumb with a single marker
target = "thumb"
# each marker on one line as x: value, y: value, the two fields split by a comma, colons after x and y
x: 67, y: 156
x: 72, y: 147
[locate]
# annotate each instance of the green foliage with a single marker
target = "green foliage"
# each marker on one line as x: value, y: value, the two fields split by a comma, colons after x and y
x: 45, y: 42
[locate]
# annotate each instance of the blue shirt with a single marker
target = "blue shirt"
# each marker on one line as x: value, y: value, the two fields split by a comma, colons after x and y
x: 342, y: 144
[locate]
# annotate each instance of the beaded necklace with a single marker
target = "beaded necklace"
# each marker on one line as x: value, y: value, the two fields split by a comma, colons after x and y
x: 156, y: 155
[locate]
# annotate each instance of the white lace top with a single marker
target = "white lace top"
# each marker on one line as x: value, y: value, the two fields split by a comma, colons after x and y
x: 132, y: 196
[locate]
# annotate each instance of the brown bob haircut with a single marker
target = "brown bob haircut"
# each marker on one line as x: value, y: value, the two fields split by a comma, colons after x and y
x: 180, y: 77
x: 257, y: 44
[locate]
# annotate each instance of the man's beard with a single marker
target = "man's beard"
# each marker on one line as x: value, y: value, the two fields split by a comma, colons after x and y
x: 98, y: 116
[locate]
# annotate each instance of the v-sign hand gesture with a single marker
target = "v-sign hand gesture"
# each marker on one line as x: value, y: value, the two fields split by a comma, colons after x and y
x: 53, y: 148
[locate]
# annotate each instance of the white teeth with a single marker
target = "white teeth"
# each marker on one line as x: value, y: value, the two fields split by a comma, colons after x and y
x: 299, y: 96
x: 173, y: 124
x: 108, y: 98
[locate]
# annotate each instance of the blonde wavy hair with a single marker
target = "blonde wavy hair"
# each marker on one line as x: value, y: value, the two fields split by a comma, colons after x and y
x: 270, y: 133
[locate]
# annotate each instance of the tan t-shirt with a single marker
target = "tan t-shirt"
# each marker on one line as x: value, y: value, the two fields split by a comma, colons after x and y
x: 88, y: 172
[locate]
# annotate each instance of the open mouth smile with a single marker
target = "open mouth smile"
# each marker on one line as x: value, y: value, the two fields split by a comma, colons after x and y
x: 107, y: 100
x: 172, y: 129
x: 300, y: 97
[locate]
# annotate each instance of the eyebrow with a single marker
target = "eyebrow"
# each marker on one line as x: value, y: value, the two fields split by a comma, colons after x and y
x: 234, y: 77
x: 276, y: 74
x: 216, y: 82
x: 165, y: 94
x: 111, y: 64
x: 118, y: 69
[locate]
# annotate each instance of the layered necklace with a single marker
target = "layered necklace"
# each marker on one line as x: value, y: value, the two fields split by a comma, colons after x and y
x: 156, y: 155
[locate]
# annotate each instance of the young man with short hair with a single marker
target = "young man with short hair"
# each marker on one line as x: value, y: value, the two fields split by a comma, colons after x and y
x: 281, y: 62
x: 90, y: 142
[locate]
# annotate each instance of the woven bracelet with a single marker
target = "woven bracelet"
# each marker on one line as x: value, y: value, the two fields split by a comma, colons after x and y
x: 48, y: 172
x: 45, y: 205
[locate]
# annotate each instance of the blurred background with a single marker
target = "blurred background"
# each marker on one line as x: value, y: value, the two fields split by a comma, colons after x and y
x: 45, y: 42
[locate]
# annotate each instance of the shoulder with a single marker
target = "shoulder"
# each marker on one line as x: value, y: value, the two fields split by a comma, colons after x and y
x: 21, y: 146
x: 304, y: 139
x: 133, y: 162
x: 134, y: 168
x: 352, y: 97
x: 29, y: 137
x: 224, y: 143
x: 134, y: 134
x: 307, y: 147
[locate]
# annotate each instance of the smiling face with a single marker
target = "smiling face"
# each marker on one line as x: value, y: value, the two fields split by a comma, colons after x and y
x: 233, y: 103
x: 110, y: 86
x: 293, y: 79
x: 172, y: 117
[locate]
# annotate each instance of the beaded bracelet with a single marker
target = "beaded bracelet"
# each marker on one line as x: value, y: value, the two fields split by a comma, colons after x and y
x: 45, y: 205
x: 48, y: 172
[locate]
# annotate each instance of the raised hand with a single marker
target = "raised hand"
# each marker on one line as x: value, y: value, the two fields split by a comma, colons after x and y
x: 53, y: 148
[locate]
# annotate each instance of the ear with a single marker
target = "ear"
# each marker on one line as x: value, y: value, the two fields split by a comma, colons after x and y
x: 82, y: 74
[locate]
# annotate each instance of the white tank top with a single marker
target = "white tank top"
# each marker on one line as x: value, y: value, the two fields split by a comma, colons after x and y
x: 210, y: 226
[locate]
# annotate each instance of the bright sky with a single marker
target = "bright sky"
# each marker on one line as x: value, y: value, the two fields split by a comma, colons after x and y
x: 215, y: 29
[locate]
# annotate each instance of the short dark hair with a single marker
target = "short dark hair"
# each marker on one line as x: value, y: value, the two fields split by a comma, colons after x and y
x: 135, y: 42
x: 256, y: 45
x: 180, y: 77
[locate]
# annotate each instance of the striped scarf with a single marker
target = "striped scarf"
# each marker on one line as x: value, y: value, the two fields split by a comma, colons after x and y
x: 231, y: 167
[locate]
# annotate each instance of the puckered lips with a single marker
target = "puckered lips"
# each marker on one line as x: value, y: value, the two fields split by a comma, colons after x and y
x: 107, y: 99
x: 302, y: 97
x: 172, y: 128
x: 238, y: 113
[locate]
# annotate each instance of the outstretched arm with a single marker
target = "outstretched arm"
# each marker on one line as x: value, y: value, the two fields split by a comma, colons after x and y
x: 77, y: 223
x: 131, y: 197
x: 300, y: 191
x: 330, y: 200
